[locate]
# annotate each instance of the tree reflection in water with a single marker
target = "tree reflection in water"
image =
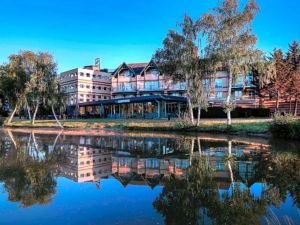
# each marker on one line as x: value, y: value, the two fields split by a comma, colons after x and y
x: 28, y: 178
x: 198, y: 199
x: 192, y: 170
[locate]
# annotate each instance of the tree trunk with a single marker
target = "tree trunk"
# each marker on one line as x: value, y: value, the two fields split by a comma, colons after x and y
x: 192, y: 150
x: 191, y: 110
x: 296, y: 107
x: 199, y: 146
x: 12, y: 115
x: 228, y: 99
x: 229, y: 163
x: 57, y: 121
x: 28, y: 109
x: 35, y: 112
x: 277, y: 101
x: 199, y: 116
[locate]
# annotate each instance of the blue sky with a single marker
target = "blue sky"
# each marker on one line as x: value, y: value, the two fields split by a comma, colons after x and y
x: 77, y: 31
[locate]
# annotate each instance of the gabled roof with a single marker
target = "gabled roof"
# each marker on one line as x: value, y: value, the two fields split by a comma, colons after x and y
x: 150, y: 64
x: 135, y: 68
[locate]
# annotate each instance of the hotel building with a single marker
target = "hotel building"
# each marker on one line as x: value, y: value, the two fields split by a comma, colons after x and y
x: 87, y: 84
x: 140, y: 90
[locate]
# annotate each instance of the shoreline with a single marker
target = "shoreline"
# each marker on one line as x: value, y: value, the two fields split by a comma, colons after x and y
x: 240, y: 127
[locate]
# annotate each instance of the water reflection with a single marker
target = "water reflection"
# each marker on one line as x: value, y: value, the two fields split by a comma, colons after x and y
x: 204, y: 179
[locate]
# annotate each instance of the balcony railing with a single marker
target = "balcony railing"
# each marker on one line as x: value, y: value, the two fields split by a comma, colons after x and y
x: 124, y: 89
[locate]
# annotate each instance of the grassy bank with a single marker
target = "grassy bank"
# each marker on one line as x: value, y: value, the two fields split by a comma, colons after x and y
x: 239, y: 126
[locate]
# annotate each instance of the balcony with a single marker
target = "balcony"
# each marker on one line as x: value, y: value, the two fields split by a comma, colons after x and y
x: 152, y: 88
x: 124, y: 89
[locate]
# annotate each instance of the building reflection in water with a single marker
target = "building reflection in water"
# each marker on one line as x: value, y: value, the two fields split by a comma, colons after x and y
x: 191, y: 170
x: 148, y: 160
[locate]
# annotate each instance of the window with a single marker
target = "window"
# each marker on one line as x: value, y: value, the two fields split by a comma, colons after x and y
x: 88, y: 174
x: 88, y: 75
x: 81, y: 86
x: 81, y: 100
x: 99, y: 96
x: 81, y: 95
x: 82, y: 175
x: 94, y: 96
x: 82, y: 163
x: 151, y: 85
x: 99, y: 87
x: 104, y: 88
x: 220, y: 166
x: 238, y: 94
x: 104, y: 97
x: 88, y: 86
x: 81, y: 74
x: 94, y: 75
x: 219, y: 83
x: 219, y: 94
x: 94, y: 87
x: 87, y: 96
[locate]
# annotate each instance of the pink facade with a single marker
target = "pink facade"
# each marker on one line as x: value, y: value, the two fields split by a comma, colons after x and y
x: 143, y: 79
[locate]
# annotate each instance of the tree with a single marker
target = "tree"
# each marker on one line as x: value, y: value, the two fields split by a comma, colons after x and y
x: 43, y: 87
x: 179, y: 59
x: 293, y: 60
x: 230, y: 40
x: 13, y: 82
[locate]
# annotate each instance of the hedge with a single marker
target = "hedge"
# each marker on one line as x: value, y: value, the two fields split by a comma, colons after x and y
x: 218, y: 112
x: 285, y: 127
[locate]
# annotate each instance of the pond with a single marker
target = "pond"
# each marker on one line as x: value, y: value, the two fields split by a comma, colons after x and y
x: 113, y: 177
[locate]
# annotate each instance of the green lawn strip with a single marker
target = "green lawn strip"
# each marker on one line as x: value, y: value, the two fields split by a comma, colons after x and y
x: 153, y: 125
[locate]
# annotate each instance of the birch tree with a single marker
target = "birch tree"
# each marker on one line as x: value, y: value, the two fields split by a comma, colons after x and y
x: 229, y: 38
x: 179, y: 59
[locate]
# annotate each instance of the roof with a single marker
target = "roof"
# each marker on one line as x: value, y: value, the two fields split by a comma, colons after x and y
x: 137, y: 68
x: 150, y: 98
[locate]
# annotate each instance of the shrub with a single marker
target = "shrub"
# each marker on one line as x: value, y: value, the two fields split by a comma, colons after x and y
x: 218, y: 112
x: 285, y: 126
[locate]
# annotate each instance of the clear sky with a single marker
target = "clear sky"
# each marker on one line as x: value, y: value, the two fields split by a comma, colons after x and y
x: 78, y: 31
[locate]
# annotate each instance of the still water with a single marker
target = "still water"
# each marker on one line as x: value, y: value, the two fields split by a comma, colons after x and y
x: 111, y: 177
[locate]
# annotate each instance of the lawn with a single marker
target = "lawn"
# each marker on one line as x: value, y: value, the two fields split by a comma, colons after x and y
x: 243, y: 126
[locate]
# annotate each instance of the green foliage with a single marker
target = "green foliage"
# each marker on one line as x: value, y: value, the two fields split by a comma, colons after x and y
x: 285, y: 126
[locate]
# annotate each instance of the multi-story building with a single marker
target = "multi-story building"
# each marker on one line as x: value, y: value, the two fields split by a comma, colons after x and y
x: 140, y: 90
x: 87, y: 84
x: 143, y: 79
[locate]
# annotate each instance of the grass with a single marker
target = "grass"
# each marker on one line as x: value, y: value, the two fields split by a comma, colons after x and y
x: 239, y: 126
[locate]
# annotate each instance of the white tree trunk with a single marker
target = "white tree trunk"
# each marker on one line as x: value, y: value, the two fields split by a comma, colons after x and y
x: 12, y: 115
x: 229, y: 163
x: 57, y: 121
x: 28, y: 109
x: 192, y: 150
x: 191, y: 110
x: 199, y: 116
x: 11, y: 136
x: 35, y: 112
x: 199, y: 146
x: 228, y: 99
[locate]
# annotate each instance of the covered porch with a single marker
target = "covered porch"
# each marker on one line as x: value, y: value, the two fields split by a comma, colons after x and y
x: 154, y: 106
